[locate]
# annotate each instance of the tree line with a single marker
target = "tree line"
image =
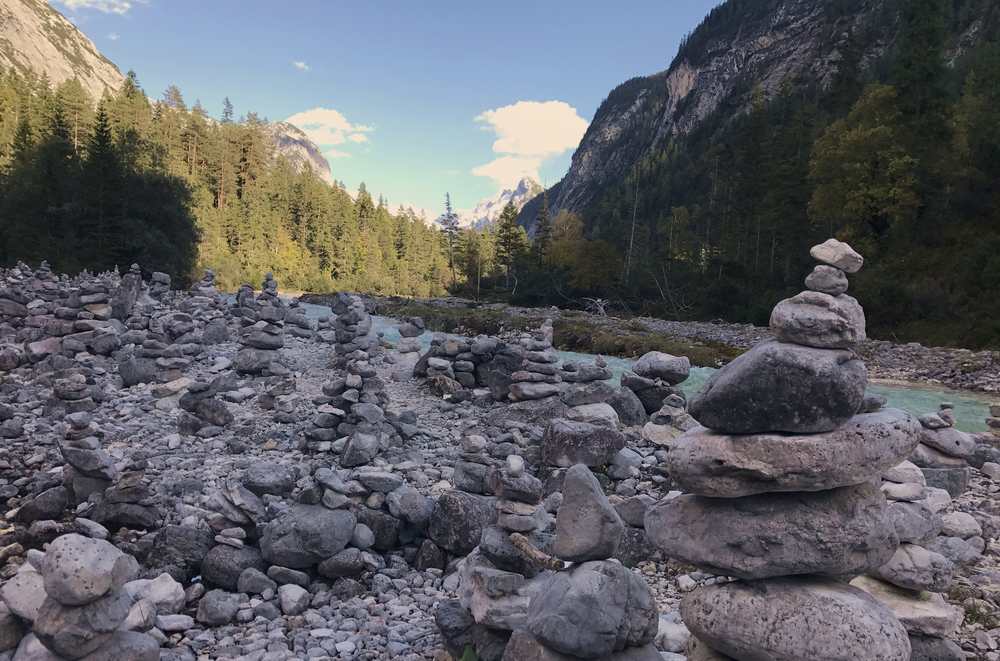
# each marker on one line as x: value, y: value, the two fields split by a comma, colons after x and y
x: 900, y: 157
x: 95, y: 184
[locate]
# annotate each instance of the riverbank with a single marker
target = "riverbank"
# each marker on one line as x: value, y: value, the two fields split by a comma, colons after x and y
x: 707, y: 344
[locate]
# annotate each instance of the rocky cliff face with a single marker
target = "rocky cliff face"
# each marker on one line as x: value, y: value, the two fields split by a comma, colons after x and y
x: 36, y: 37
x: 742, y: 46
x: 292, y: 143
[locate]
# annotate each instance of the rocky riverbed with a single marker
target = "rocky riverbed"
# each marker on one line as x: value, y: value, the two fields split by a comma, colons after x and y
x: 187, y: 429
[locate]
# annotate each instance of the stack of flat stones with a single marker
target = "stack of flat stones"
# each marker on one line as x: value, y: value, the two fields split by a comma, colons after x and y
x: 131, y: 502
x: 352, y: 329
x: 206, y: 288
x: 159, y: 285
x: 539, y: 376
x: 499, y: 577
x: 85, y: 610
x: 202, y: 413
x: 993, y: 421
x: 89, y: 468
x: 910, y: 581
x: 943, y: 452
x: 263, y: 332
x: 72, y: 394
x: 409, y: 330
x: 297, y: 323
x: 473, y: 465
x: 780, y: 492
x: 655, y: 377
x: 596, y: 608
x: 350, y: 417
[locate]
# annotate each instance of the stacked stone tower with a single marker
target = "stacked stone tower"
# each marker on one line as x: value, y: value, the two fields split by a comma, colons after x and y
x: 780, y: 489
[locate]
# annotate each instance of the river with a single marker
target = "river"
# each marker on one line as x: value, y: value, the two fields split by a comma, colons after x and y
x: 971, y: 409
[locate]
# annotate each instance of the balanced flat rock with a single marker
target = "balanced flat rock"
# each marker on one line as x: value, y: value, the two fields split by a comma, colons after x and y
x: 708, y: 463
x: 845, y: 531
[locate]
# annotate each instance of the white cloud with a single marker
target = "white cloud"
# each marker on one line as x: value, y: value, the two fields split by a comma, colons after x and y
x: 114, y: 36
x: 328, y: 128
x: 103, y: 6
x: 528, y: 133
x: 301, y: 66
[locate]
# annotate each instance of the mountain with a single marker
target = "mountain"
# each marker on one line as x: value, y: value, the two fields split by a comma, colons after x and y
x: 292, y: 143
x: 742, y: 49
x: 36, y: 37
x: 488, y: 209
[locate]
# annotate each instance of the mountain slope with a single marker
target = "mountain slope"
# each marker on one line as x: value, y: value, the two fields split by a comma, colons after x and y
x: 36, y: 37
x: 292, y: 143
x: 743, y: 47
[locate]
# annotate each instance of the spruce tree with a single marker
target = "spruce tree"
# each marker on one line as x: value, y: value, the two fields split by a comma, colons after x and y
x: 543, y: 231
x: 450, y: 229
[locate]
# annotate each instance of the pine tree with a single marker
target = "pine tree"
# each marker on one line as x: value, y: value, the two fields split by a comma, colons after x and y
x: 543, y: 231
x: 511, y: 241
x: 450, y: 229
x: 227, y: 111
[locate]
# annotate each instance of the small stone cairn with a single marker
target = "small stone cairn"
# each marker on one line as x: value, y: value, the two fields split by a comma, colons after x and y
x: 944, y: 451
x: 779, y: 490
x: 910, y: 581
x: 263, y: 332
x: 85, y: 610
x: 89, y: 468
x: 539, y: 376
x: 655, y: 377
x: 352, y: 329
x: 498, y: 578
x: 159, y: 285
x: 596, y: 608
x: 409, y: 330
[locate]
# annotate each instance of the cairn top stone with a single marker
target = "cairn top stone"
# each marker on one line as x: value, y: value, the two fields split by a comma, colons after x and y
x: 839, y: 254
x: 79, y: 570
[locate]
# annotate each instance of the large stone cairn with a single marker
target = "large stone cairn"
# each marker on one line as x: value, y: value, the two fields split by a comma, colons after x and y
x: 943, y: 451
x: 779, y: 489
x: 81, y: 601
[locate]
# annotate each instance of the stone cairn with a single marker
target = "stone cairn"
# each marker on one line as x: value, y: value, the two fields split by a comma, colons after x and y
x: 350, y: 416
x: 539, y: 376
x: 409, y: 330
x: 159, y: 285
x: 944, y: 451
x: 263, y: 330
x: 81, y: 601
x: 779, y: 489
x: 596, y: 608
x: 89, y: 468
x: 909, y: 582
x: 655, y: 377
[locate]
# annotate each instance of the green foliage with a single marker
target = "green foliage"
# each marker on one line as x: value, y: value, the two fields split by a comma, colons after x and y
x: 161, y: 184
x: 899, y: 156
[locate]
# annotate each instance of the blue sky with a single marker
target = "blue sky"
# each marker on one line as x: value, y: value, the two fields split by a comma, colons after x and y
x: 413, y: 98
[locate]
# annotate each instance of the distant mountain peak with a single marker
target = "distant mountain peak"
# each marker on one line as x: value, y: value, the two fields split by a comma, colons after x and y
x: 488, y: 209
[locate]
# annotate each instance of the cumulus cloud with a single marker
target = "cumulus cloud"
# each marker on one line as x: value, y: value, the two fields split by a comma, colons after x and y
x: 301, y: 66
x: 528, y: 133
x: 328, y: 128
x: 104, y: 6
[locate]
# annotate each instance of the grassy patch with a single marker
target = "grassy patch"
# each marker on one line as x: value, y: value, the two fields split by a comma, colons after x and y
x: 467, y: 321
x: 573, y: 331
x: 626, y: 342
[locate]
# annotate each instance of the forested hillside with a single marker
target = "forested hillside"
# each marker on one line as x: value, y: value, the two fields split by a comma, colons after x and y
x: 95, y: 185
x: 897, y: 153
